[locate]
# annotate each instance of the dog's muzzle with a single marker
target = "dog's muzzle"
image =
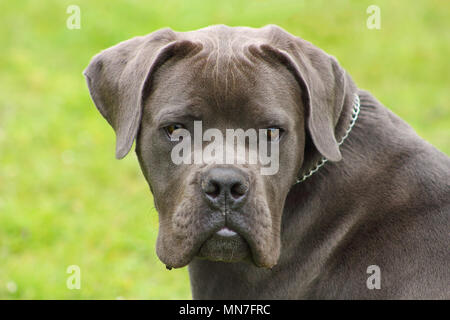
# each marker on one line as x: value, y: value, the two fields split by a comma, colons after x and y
x: 225, y: 189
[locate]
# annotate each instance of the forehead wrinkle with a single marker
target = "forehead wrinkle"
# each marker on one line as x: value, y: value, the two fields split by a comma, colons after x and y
x: 224, y: 60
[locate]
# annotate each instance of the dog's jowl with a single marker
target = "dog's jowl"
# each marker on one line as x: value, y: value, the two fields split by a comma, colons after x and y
x: 354, y: 185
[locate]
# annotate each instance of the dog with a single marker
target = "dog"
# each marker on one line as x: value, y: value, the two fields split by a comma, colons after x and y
x: 358, y: 209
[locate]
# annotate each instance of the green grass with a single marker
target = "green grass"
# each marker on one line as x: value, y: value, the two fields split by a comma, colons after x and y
x: 64, y: 200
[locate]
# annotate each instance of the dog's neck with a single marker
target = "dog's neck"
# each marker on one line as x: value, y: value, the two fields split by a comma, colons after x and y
x: 328, y: 199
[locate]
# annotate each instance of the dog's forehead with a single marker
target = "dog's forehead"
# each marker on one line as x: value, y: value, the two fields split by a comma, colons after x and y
x: 226, y: 76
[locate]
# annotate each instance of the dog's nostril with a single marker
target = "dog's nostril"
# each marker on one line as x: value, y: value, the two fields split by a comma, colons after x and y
x: 238, y: 190
x: 212, y: 189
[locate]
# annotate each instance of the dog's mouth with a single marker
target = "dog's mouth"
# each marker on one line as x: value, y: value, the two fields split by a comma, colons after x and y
x: 234, y: 237
x: 225, y: 245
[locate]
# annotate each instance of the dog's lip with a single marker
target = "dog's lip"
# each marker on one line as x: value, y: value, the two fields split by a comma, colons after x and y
x: 225, y: 245
x: 256, y: 255
x: 227, y: 233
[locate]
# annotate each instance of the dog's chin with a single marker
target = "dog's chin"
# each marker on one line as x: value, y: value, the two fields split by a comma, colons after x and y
x: 225, y: 246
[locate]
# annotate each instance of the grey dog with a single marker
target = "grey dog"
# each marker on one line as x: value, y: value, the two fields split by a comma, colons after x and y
x: 379, y: 200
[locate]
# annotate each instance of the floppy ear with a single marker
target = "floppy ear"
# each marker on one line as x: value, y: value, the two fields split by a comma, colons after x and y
x: 119, y: 80
x: 325, y: 86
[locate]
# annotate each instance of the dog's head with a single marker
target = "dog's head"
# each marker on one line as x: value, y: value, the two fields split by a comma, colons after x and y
x: 154, y: 87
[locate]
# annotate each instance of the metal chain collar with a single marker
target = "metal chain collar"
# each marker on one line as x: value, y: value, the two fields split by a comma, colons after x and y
x: 355, y: 113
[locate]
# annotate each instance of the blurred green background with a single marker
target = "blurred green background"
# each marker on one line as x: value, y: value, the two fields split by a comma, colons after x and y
x: 65, y: 200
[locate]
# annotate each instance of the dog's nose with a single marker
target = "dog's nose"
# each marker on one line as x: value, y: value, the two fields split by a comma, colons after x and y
x: 225, y: 186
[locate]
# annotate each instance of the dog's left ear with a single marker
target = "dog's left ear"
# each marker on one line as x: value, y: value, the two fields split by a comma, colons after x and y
x: 119, y: 80
x: 325, y: 85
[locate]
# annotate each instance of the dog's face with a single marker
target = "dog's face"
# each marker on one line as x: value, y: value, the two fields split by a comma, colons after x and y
x: 196, y: 202
x: 227, y: 78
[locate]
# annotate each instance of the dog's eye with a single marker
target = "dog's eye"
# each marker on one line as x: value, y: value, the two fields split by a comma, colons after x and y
x: 172, y: 128
x: 274, y: 134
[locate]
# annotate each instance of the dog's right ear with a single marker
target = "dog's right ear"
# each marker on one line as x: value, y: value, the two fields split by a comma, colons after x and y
x: 119, y: 80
